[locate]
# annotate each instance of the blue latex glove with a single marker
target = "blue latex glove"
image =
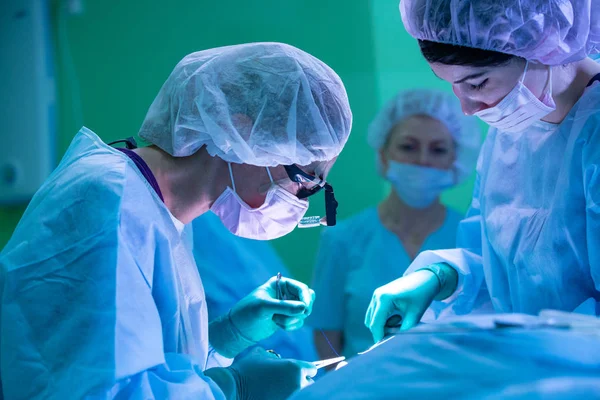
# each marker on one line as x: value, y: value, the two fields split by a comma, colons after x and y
x: 407, y: 297
x: 260, y: 375
x: 258, y: 315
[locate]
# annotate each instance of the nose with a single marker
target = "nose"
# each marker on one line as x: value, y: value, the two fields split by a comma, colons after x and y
x: 469, y: 107
x: 424, y: 159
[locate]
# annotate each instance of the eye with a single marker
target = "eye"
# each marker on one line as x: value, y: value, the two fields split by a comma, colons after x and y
x: 406, y: 147
x: 479, y: 86
x: 440, y: 150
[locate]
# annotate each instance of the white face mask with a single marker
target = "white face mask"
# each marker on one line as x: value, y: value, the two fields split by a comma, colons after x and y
x: 278, y: 216
x: 418, y: 186
x: 520, y: 108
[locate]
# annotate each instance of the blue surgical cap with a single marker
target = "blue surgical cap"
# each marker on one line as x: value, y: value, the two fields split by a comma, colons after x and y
x: 550, y: 32
x: 262, y: 104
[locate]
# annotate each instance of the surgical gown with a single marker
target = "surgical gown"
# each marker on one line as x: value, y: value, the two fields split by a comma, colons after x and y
x: 532, y: 234
x: 355, y: 258
x: 231, y: 267
x: 101, y: 297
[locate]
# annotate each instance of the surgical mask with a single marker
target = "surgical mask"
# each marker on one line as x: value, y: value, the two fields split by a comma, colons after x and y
x: 520, y: 108
x: 278, y: 216
x: 418, y: 186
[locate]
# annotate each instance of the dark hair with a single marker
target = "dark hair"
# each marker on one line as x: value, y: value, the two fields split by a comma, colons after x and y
x: 450, y: 54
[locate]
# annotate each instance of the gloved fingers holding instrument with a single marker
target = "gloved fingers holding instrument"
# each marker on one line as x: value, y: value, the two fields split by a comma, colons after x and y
x: 279, y: 303
x: 286, y: 302
x: 404, y: 301
x: 291, y: 289
x: 245, y: 378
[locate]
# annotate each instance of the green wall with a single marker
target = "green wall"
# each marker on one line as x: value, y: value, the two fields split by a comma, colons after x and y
x: 121, y: 53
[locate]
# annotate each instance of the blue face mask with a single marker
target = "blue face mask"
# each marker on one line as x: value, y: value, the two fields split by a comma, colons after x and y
x: 418, y: 186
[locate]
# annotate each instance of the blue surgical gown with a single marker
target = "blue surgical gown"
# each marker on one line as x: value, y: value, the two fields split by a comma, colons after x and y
x: 231, y: 267
x: 101, y: 297
x: 532, y: 235
x: 355, y: 258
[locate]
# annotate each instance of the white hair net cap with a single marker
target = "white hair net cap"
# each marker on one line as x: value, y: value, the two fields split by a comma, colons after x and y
x: 262, y: 104
x: 442, y: 106
x: 547, y: 31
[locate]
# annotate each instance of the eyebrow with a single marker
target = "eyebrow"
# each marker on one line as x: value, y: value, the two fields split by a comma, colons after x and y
x: 435, y: 141
x: 466, y: 78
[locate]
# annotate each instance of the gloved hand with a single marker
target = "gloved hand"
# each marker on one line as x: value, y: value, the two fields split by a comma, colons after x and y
x: 258, y: 315
x: 408, y: 297
x: 261, y: 375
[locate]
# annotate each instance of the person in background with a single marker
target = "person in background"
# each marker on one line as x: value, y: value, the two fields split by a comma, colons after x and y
x: 424, y: 145
x: 231, y: 267
x: 531, y: 238
x: 101, y: 296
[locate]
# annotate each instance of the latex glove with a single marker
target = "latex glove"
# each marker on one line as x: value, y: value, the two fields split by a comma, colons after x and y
x: 258, y: 315
x: 409, y: 297
x: 261, y: 375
